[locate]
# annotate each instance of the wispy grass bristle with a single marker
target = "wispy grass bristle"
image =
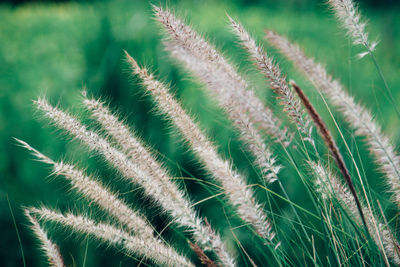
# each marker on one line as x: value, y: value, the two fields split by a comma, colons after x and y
x: 356, y: 115
x: 331, y: 144
x: 172, y: 200
x: 233, y: 183
x: 148, y: 247
x: 277, y: 81
x: 347, y: 13
x: 329, y: 186
x: 308, y: 217
x: 51, y: 250
x: 234, y: 96
x: 90, y: 188
x: 221, y: 77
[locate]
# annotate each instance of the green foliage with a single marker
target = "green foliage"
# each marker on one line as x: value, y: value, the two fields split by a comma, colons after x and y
x: 55, y: 49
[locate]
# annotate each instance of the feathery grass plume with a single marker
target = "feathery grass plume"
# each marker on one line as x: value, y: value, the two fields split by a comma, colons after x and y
x: 181, y: 209
x: 129, y: 169
x: 330, y: 143
x: 233, y: 183
x: 347, y: 13
x: 277, y: 82
x: 132, y: 172
x: 191, y: 48
x: 96, y: 192
x: 51, y: 250
x: 149, y: 247
x: 356, y: 115
x: 329, y: 187
x: 217, y: 80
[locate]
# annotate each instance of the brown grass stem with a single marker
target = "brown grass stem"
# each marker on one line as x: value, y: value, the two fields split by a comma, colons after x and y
x: 330, y: 143
x: 205, y: 260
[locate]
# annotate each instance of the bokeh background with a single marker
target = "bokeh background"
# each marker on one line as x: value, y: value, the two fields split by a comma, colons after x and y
x: 55, y: 48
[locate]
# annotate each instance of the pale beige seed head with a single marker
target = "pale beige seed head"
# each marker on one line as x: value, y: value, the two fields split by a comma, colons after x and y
x: 149, y: 247
x: 272, y: 73
x: 329, y: 187
x: 348, y: 15
x: 230, y: 98
x: 93, y: 190
x: 132, y: 171
x: 357, y: 116
x: 48, y: 247
x: 233, y: 183
x: 224, y: 82
x: 176, y: 203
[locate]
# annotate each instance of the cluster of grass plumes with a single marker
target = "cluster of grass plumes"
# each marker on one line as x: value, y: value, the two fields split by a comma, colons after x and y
x: 345, y: 225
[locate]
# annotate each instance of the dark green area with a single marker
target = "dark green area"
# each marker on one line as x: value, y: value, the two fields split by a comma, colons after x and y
x: 56, y: 49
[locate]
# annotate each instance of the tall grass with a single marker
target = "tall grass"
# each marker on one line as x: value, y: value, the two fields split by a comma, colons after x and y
x: 262, y: 225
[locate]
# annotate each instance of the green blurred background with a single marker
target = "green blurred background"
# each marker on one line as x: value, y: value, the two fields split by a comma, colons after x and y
x: 54, y: 49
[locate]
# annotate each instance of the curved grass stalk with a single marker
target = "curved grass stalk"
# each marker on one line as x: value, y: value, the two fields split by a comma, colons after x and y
x: 356, y: 115
x: 150, y: 248
x: 51, y: 250
x: 231, y: 90
x: 349, y: 16
x: 329, y: 186
x: 233, y: 183
x: 175, y: 203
